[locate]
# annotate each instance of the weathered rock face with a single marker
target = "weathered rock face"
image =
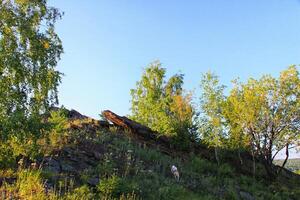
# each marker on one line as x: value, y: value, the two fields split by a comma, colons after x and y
x: 73, y: 114
x: 74, y: 160
x: 52, y: 165
x: 135, y: 127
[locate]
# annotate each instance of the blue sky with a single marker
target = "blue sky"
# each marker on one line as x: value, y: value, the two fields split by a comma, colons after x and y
x: 107, y: 44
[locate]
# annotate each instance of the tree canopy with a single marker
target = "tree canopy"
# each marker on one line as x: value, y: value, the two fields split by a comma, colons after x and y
x: 29, y: 52
x: 267, y: 110
x: 162, y: 105
x: 261, y: 115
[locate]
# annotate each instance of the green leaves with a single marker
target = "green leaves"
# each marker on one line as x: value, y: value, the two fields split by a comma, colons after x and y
x: 29, y: 52
x: 161, y: 104
x: 262, y: 114
x: 212, y: 129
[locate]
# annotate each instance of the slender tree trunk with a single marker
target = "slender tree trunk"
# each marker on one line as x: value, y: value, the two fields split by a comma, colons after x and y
x: 286, y: 158
x: 253, y: 163
x: 217, y: 156
x: 239, y: 154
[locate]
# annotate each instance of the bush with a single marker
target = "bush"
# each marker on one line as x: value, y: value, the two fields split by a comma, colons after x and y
x: 80, y: 193
x: 30, y: 185
x: 24, y: 146
x: 170, y: 192
x: 113, y: 187
x: 201, y: 166
x: 7, y: 159
x: 225, y: 170
x: 58, y: 125
x: 107, y: 166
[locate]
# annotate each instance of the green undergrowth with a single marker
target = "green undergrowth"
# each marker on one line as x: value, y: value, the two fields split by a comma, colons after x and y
x: 130, y: 169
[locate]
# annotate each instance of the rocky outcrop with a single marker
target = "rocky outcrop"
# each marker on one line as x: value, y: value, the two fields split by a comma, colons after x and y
x: 135, y: 127
x: 74, y: 160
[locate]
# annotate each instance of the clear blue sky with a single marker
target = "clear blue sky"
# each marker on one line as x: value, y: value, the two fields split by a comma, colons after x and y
x: 107, y: 44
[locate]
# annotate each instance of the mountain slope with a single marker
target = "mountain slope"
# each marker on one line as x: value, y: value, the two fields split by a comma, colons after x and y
x: 98, y: 160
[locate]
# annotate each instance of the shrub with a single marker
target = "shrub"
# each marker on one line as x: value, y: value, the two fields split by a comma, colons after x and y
x: 7, y: 159
x: 131, y: 196
x: 80, y: 193
x: 24, y: 146
x: 113, y: 187
x: 225, y: 170
x: 170, y: 192
x: 58, y: 123
x: 107, y: 166
x: 201, y: 166
x: 30, y: 185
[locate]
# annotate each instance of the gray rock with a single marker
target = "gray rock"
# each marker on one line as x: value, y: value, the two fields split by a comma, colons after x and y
x: 93, y: 181
x: 246, y: 196
x: 53, y: 166
x: 97, y: 155
x: 66, y: 167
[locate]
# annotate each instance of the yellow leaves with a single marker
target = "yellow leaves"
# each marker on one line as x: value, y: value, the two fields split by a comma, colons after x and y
x: 181, y: 106
x: 21, y: 2
x: 216, y: 122
x: 46, y: 44
x: 7, y: 30
x: 288, y: 73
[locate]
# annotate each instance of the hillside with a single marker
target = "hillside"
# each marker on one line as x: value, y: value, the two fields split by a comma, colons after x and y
x: 93, y: 159
x: 292, y: 164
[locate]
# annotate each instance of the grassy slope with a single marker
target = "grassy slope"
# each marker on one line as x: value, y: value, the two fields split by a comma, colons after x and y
x: 95, y: 163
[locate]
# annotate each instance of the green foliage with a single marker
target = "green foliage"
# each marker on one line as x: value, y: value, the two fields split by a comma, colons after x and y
x: 225, y: 170
x: 173, y: 191
x: 212, y: 129
x: 267, y: 110
x: 29, y: 182
x: 29, y: 51
x: 106, y: 168
x: 26, y: 147
x: 113, y: 187
x: 80, y: 193
x: 148, y: 100
x: 29, y: 185
x: 201, y: 166
x: 109, y: 185
x: 6, y: 156
x: 261, y: 115
x: 58, y: 128
x: 162, y: 105
x: 148, y: 170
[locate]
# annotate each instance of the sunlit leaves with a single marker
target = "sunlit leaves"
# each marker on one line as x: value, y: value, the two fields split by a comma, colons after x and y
x: 267, y: 111
x: 29, y: 52
x: 160, y: 104
x: 211, y: 127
